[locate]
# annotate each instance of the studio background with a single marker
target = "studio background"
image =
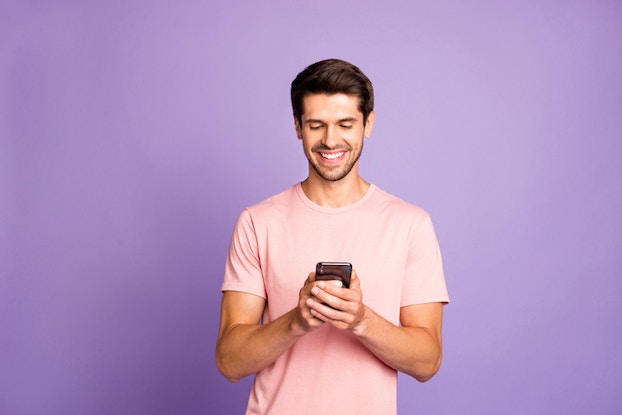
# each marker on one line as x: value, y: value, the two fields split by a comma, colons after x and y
x: 132, y: 134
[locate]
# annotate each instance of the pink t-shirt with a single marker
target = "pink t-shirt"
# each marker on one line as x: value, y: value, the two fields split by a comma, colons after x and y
x: 276, y: 244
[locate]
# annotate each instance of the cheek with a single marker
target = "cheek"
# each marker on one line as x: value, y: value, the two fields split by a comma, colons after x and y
x: 306, y: 145
x: 310, y: 138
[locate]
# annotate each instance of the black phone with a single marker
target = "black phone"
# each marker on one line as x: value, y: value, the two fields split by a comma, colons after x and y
x: 327, y: 271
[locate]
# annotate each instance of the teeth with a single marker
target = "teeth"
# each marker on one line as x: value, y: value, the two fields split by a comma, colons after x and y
x: 332, y: 156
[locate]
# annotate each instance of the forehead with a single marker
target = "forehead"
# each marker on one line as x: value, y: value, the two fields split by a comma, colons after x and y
x: 325, y: 106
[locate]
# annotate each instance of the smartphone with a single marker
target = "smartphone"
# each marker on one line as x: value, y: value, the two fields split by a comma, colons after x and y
x: 327, y: 271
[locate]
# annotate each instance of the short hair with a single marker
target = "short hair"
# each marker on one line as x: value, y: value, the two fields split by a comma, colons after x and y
x: 332, y: 76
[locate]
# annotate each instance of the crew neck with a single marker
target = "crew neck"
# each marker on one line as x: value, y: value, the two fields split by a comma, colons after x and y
x: 324, y: 209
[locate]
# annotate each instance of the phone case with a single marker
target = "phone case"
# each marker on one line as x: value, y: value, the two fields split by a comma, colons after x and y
x: 334, y: 271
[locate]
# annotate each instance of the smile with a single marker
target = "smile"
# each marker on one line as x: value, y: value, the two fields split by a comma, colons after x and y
x: 332, y: 156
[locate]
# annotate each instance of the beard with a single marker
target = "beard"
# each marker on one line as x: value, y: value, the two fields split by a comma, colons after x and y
x: 335, y: 173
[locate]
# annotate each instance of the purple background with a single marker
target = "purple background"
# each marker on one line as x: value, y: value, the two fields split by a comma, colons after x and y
x: 132, y: 133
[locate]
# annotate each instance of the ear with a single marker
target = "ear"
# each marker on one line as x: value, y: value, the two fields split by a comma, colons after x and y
x: 298, y: 128
x: 369, y: 125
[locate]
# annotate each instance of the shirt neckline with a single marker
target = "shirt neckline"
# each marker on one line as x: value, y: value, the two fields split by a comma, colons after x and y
x: 324, y: 209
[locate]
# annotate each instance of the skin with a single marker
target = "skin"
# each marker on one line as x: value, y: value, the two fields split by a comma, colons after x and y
x: 332, y: 133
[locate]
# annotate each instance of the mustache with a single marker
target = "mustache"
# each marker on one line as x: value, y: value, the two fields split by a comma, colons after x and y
x: 324, y: 147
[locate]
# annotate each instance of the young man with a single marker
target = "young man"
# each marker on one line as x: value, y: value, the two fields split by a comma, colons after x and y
x: 318, y: 347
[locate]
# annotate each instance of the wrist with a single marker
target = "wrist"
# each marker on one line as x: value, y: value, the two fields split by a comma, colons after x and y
x: 361, y: 328
x: 295, y: 326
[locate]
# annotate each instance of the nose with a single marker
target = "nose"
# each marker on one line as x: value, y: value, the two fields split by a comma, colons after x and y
x: 331, y: 137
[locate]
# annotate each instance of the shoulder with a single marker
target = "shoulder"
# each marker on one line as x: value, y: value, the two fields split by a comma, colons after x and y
x: 397, y: 206
x: 278, y: 201
x: 272, y: 209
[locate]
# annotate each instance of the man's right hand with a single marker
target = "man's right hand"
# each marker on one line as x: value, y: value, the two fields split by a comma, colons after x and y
x: 304, y: 317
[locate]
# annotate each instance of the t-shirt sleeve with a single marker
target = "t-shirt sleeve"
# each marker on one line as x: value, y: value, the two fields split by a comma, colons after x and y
x: 243, y: 267
x: 424, y: 280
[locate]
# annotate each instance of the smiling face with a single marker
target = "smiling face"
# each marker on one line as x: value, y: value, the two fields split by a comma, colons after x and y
x: 332, y: 132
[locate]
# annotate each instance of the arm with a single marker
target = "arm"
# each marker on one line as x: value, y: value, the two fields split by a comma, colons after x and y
x: 414, y: 348
x: 244, y: 346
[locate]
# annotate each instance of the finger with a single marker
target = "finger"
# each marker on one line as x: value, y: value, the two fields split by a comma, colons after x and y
x: 330, y: 316
x: 308, y: 316
x: 327, y: 289
x: 355, y: 282
x: 324, y: 312
x: 310, y: 278
x: 330, y: 306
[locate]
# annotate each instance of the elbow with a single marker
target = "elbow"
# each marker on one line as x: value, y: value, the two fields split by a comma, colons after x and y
x: 230, y: 378
x: 424, y: 377
x: 229, y: 375
x: 226, y: 369
x: 427, y: 372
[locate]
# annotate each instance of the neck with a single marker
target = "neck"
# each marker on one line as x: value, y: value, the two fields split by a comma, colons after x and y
x: 336, y: 194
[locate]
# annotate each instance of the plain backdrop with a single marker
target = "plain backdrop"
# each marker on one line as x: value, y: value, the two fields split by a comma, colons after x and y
x: 132, y: 134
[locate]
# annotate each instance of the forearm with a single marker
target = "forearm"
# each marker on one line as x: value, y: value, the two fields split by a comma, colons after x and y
x: 244, y: 349
x: 415, y: 351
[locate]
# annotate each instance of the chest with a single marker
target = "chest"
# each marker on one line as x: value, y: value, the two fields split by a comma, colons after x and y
x: 376, y: 246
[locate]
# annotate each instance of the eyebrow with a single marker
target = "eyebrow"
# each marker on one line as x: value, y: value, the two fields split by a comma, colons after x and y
x: 347, y: 119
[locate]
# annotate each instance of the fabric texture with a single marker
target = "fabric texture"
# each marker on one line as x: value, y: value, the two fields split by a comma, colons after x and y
x: 276, y: 244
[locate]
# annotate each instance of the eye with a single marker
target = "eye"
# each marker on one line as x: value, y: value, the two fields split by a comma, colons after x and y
x: 346, y: 126
x: 314, y: 127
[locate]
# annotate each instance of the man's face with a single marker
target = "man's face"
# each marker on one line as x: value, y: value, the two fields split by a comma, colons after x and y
x: 332, y: 134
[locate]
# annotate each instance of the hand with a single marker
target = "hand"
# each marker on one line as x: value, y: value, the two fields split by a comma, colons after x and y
x: 331, y: 303
x: 304, y: 316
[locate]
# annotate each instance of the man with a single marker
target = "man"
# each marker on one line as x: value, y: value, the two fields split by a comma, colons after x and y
x: 318, y: 347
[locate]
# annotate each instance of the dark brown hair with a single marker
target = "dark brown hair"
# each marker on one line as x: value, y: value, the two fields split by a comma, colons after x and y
x: 332, y: 76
